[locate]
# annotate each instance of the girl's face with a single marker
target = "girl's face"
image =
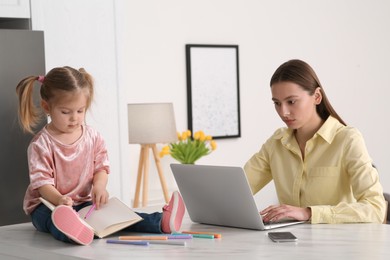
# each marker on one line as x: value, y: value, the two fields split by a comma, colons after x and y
x: 67, y: 113
x: 295, y: 106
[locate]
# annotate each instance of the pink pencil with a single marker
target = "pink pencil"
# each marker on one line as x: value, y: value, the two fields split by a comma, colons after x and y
x: 90, y: 211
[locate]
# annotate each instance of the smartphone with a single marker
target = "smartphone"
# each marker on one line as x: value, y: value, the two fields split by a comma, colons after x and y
x: 282, y: 236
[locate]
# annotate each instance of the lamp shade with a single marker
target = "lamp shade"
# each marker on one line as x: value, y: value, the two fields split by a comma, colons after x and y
x: 151, y: 123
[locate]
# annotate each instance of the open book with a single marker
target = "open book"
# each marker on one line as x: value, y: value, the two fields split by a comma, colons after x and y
x: 108, y: 219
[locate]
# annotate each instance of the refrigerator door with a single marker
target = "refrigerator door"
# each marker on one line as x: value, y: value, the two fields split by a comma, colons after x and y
x: 21, y: 55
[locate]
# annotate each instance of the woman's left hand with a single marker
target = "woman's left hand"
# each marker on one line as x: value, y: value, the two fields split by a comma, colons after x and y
x: 275, y: 213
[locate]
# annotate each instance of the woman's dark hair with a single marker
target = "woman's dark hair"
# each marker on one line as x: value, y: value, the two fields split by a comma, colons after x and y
x: 300, y: 73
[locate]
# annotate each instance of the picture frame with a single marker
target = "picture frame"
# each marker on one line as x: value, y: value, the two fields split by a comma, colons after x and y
x: 213, y: 93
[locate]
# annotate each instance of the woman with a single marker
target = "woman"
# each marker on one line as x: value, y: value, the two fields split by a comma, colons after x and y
x: 320, y: 166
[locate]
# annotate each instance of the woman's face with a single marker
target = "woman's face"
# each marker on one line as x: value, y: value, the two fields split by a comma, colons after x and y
x: 295, y: 106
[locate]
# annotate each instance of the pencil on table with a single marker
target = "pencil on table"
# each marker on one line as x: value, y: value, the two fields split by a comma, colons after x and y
x: 216, y: 235
x: 143, y: 238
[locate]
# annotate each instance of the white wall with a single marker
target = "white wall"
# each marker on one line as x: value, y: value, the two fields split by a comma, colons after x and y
x: 135, y: 50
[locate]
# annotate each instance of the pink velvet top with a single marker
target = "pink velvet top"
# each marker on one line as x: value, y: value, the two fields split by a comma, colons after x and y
x: 69, y: 168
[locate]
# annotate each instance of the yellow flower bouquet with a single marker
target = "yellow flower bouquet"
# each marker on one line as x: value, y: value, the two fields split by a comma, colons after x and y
x: 189, y: 149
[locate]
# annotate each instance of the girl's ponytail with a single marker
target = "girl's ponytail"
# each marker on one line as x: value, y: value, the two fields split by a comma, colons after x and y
x: 29, y: 114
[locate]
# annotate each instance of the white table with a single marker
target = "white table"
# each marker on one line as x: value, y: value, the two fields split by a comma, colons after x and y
x: 344, y: 241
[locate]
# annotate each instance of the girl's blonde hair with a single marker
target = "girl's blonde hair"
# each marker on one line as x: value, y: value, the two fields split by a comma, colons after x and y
x: 56, y: 81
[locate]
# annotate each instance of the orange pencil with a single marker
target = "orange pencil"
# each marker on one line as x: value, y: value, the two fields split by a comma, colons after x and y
x: 202, y: 233
x: 143, y: 238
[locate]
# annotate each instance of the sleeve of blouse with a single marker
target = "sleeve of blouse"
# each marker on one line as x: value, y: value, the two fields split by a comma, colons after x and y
x: 101, y: 155
x: 40, y: 165
x: 364, y: 180
x: 257, y: 170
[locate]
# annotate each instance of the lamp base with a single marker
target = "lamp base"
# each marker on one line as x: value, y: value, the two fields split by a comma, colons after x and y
x: 143, y: 175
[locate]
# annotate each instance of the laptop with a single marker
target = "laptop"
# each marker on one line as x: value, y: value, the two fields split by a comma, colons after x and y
x: 220, y: 195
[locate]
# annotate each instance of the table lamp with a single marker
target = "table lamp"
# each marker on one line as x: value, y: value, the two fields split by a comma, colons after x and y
x: 149, y: 124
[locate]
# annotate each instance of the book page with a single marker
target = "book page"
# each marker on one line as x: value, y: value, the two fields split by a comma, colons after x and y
x: 111, y: 217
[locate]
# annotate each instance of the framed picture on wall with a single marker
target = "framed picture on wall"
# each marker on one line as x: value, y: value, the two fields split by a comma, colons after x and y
x: 213, y: 96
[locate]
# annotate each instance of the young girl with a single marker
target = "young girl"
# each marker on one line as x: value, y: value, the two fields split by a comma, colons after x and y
x: 68, y: 162
x: 320, y: 166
